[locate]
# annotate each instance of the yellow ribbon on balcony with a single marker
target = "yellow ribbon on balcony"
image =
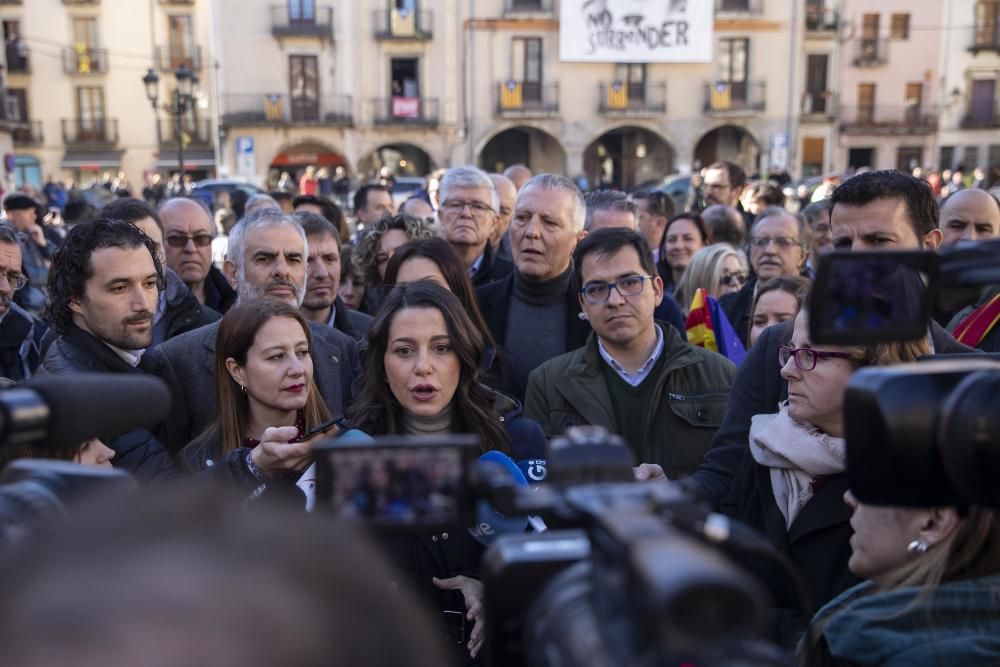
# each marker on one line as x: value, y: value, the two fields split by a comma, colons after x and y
x: 721, y: 98
x: 617, y: 96
x: 510, y: 95
x: 82, y: 57
x: 273, y: 108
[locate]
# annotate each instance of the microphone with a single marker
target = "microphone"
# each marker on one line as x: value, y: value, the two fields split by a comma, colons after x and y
x: 490, y: 523
x: 534, y: 470
x: 60, y: 412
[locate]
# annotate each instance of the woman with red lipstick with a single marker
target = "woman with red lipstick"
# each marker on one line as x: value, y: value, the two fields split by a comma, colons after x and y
x: 793, y: 475
x: 422, y: 377
x: 266, y: 397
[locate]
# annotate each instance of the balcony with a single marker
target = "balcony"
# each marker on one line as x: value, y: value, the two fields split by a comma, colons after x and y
x: 281, y: 110
x: 986, y: 30
x: 914, y: 119
x: 818, y: 106
x: 739, y: 6
x: 871, y: 52
x: 17, y: 59
x: 198, y: 135
x: 403, y: 25
x: 527, y: 7
x: 632, y: 99
x: 85, y: 60
x: 976, y: 120
x: 734, y: 97
x: 29, y: 133
x: 168, y: 60
x: 399, y: 110
x: 303, y: 22
x: 822, y: 22
x: 176, y: 3
x: 82, y: 3
x: 91, y: 133
x: 526, y: 99
x: 11, y: 2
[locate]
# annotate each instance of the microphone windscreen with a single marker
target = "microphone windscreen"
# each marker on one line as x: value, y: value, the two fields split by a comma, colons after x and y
x: 354, y: 435
x: 90, y: 405
x: 534, y: 470
x: 489, y: 522
x: 508, y: 465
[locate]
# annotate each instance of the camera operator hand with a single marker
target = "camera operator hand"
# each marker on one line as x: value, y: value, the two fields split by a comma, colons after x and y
x: 472, y: 591
x: 276, y: 455
x: 648, y: 472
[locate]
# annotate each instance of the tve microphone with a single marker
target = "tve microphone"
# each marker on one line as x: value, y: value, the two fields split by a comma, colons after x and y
x: 58, y: 412
x: 489, y: 522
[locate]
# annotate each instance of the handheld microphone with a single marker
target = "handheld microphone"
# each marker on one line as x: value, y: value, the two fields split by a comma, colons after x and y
x: 60, y: 412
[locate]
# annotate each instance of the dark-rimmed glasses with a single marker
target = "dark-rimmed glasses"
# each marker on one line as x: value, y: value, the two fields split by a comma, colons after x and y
x: 15, y: 279
x: 806, y: 358
x: 598, y: 292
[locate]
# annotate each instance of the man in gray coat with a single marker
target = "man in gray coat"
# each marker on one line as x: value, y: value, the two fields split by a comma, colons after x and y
x: 267, y: 257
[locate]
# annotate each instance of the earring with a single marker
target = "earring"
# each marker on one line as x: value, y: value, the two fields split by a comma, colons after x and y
x: 582, y: 316
x: 244, y: 388
x: 917, y: 546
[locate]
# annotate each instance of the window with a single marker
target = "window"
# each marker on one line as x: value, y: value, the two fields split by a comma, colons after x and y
x: 301, y: 11
x: 914, y: 100
x: 526, y: 65
x: 987, y: 27
x: 633, y: 75
x: 982, y: 104
x: 181, y: 41
x: 17, y: 104
x: 909, y: 158
x: 971, y: 159
x: 90, y: 113
x: 303, y: 85
x: 900, y: 27
x: 866, y: 103
x: 85, y: 32
x: 946, y: 158
x: 993, y: 156
x: 27, y: 171
x: 817, y: 66
x: 733, y: 68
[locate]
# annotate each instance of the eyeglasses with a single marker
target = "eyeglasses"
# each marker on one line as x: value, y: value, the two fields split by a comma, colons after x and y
x: 181, y: 240
x: 730, y: 279
x: 475, y: 207
x: 15, y: 279
x: 806, y: 358
x: 599, y: 292
x: 780, y: 241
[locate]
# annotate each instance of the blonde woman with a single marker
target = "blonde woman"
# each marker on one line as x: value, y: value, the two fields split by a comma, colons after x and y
x: 719, y: 268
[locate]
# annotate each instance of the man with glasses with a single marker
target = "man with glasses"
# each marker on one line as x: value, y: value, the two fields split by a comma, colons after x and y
x: 188, y: 231
x: 634, y: 377
x: 36, y: 248
x: 20, y: 332
x: 778, y: 247
x: 724, y: 183
x: 468, y: 215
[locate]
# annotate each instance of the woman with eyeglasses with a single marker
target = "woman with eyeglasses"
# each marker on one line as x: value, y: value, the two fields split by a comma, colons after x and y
x: 719, y: 268
x: 791, y: 482
x: 684, y: 235
x: 777, y: 300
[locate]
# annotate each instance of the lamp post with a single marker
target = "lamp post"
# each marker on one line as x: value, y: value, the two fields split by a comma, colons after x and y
x: 182, y: 100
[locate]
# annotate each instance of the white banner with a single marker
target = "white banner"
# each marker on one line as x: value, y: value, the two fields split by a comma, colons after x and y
x: 636, y: 31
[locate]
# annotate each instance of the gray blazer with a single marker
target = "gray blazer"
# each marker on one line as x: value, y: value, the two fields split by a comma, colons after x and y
x: 185, y: 363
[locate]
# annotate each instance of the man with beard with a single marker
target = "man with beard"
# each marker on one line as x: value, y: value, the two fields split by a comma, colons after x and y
x: 267, y: 258
x: 20, y: 332
x: 104, y: 284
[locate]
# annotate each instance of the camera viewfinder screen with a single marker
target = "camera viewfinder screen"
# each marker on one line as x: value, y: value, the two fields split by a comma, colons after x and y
x: 862, y: 298
x: 397, y: 486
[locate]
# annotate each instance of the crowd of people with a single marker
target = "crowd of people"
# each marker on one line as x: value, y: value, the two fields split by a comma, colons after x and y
x: 513, y: 307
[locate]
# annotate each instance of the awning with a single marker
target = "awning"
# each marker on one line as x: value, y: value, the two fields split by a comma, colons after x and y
x: 77, y: 159
x: 195, y: 157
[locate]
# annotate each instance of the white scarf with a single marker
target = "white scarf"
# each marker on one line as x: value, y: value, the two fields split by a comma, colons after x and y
x: 796, y: 453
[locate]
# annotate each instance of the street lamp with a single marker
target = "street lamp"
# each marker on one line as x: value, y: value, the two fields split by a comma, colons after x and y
x: 182, y: 100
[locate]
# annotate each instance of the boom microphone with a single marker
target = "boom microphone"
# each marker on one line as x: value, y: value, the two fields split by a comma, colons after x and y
x: 59, y: 412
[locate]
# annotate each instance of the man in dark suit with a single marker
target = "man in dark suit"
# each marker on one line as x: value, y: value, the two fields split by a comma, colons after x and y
x: 21, y: 333
x: 267, y: 257
x: 321, y: 303
x: 883, y: 210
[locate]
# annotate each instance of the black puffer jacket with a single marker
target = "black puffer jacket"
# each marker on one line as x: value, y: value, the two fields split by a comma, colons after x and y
x: 136, y: 451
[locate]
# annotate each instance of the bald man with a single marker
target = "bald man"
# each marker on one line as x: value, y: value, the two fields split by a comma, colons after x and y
x: 507, y: 192
x: 969, y: 215
x: 188, y: 231
x: 518, y: 174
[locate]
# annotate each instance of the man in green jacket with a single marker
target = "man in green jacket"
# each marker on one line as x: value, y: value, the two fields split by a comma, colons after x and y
x: 636, y: 378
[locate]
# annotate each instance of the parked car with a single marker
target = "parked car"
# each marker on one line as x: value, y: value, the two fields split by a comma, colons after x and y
x: 205, y: 191
x: 677, y: 186
x: 404, y: 188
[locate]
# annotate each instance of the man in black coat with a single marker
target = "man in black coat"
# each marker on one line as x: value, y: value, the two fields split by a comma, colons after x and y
x: 883, y: 210
x: 267, y: 257
x: 104, y: 285
x: 21, y: 333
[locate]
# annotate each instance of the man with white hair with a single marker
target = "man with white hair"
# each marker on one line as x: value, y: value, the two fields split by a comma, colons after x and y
x: 468, y: 215
x: 267, y: 258
x: 534, y: 313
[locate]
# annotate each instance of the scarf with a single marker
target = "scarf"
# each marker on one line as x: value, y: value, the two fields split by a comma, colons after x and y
x: 796, y: 454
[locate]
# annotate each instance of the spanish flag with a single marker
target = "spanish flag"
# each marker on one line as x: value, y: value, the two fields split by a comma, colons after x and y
x: 617, y: 95
x: 722, y: 99
x: 708, y: 327
x: 973, y: 329
x: 510, y: 95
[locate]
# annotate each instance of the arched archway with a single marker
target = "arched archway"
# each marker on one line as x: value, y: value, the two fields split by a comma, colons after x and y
x: 626, y: 157
x: 537, y: 149
x: 728, y: 142
x: 295, y: 158
x: 400, y: 159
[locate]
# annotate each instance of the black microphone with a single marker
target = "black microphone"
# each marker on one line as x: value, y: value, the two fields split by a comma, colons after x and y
x: 59, y: 412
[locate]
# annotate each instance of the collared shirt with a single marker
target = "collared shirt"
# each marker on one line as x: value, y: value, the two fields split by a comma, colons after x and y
x: 130, y: 357
x: 634, y: 379
x: 474, y: 269
x: 333, y: 316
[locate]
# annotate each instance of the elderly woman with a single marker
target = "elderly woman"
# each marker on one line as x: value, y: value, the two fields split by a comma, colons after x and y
x: 375, y: 248
x: 793, y: 475
x: 719, y: 269
x: 421, y: 377
x: 266, y: 396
